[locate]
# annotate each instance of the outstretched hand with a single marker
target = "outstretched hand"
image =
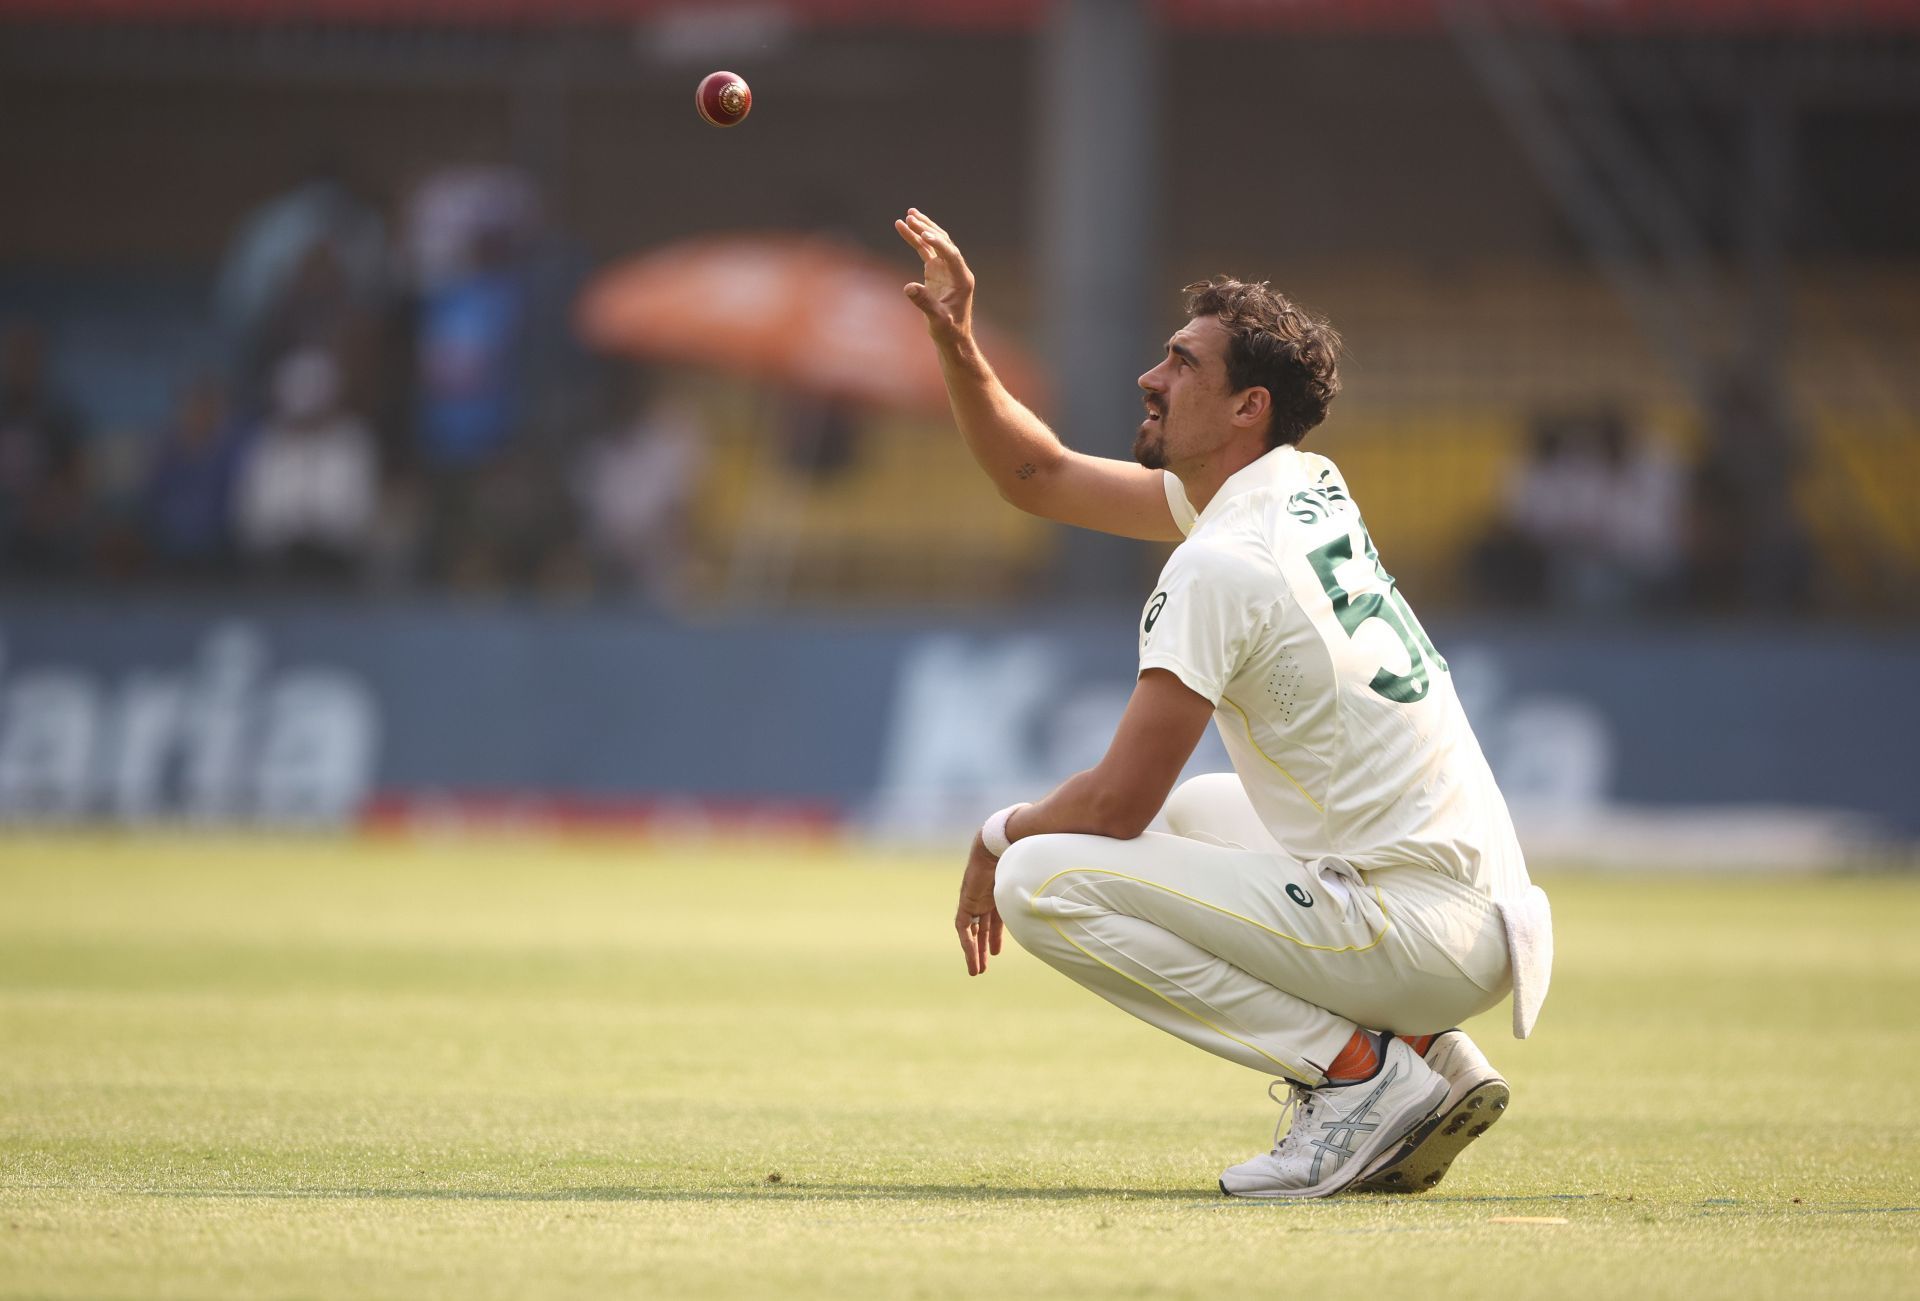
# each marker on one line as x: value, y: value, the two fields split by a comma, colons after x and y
x: 945, y: 291
x: 977, y: 920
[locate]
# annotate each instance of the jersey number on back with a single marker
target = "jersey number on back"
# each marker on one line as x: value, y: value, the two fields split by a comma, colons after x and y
x: 1391, y: 609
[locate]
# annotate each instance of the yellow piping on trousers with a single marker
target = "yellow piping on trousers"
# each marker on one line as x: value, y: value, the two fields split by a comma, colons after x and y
x: 1291, y: 1072
x: 1224, y: 912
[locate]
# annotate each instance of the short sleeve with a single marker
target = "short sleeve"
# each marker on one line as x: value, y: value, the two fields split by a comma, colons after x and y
x: 1202, y: 621
x: 1182, y: 509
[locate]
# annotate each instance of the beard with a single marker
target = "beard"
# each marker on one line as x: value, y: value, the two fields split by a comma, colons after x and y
x: 1150, y: 444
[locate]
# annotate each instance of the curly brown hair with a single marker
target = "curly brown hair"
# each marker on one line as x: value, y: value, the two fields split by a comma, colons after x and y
x: 1277, y: 345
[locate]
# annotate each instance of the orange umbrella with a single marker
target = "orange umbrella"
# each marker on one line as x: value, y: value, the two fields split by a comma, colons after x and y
x: 795, y: 310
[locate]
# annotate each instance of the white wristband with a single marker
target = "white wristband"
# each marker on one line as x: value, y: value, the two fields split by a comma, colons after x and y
x: 993, y: 832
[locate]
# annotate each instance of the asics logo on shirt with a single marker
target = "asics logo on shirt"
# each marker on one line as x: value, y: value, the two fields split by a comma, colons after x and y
x: 1154, y: 607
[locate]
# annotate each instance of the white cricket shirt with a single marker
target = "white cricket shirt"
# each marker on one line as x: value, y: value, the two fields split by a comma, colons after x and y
x: 1338, y: 713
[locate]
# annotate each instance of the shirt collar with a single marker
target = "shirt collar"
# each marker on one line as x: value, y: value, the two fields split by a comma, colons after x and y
x: 1263, y: 473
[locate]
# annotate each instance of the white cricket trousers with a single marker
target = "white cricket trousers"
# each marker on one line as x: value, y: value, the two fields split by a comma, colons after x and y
x: 1214, y: 934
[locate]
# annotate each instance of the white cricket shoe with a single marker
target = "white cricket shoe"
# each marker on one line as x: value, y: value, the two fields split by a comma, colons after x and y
x: 1476, y: 1097
x: 1339, y: 1129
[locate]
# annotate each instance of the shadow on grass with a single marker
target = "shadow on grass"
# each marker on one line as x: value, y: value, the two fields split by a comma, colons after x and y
x: 799, y: 1190
x: 795, y: 1190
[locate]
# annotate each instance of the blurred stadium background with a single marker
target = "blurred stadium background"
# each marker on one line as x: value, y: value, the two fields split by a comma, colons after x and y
x: 414, y: 416
x: 423, y: 440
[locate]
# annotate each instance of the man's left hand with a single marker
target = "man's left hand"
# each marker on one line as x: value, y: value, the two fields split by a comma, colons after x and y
x: 978, y: 921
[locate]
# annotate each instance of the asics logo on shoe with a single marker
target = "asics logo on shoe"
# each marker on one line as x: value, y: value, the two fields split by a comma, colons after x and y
x: 1337, y: 1135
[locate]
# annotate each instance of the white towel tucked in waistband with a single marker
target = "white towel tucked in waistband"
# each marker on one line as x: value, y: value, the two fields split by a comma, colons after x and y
x: 1529, y: 924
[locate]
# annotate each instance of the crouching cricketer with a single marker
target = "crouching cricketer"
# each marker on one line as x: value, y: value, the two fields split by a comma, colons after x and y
x: 1353, y: 890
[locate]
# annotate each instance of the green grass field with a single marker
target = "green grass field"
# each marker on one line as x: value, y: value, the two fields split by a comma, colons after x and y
x: 261, y: 1069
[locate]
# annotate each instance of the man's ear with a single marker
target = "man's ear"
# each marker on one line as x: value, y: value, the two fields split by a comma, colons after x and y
x: 1253, y: 408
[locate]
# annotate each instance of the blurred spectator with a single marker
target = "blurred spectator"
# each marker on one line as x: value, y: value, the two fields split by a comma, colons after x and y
x: 635, y: 484
x: 452, y: 210
x: 279, y: 238
x: 1593, y: 519
x: 1637, y: 549
x: 115, y: 473
x: 1749, y: 547
x: 308, y: 491
x: 471, y: 329
x: 317, y: 307
x: 489, y: 499
x: 820, y: 436
x: 1511, y: 563
x: 41, y: 505
x: 188, y: 499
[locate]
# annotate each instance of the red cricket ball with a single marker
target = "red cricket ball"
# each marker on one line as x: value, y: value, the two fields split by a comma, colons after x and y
x: 723, y: 98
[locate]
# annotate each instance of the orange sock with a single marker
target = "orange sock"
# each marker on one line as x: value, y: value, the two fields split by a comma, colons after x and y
x: 1419, y: 1042
x: 1357, y: 1061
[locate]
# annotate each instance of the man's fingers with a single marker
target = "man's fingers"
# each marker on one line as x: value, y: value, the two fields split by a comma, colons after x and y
x: 936, y: 236
x: 925, y: 222
x: 978, y: 937
x: 919, y: 232
x: 913, y: 239
x: 995, y: 929
x: 942, y: 244
x: 932, y: 234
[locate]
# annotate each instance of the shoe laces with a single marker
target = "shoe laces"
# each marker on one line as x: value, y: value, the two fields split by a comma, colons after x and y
x: 1296, y: 1107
